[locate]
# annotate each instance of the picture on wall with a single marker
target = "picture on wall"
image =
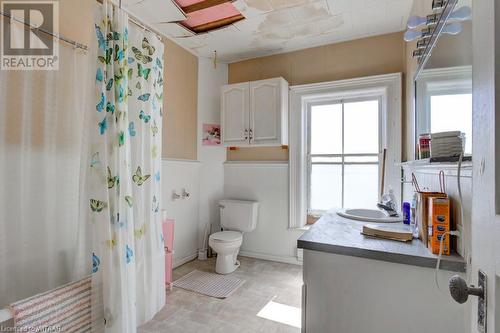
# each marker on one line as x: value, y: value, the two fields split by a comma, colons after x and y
x: 211, y: 135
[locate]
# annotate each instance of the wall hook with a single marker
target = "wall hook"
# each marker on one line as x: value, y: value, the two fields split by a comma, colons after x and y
x: 185, y: 194
x: 176, y: 196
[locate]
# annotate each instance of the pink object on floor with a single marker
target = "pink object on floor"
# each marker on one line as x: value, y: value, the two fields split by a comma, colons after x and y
x: 211, y: 14
x: 168, y: 236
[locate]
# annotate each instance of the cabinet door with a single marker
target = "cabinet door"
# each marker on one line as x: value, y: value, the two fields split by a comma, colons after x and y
x: 235, y: 114
x: 268, y: 110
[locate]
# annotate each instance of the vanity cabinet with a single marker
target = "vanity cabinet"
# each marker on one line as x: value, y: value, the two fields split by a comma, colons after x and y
x: 255, y: 113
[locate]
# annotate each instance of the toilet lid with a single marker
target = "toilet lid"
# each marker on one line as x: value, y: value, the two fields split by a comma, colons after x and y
x: 226, y: 236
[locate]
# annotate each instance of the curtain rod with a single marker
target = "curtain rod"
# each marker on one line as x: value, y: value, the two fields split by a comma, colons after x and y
x: 59, y: 37
x: 76, y: 44
x: 133, y: 19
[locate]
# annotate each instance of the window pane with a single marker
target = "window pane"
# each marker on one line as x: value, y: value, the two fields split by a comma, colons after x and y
x: 326, y: 129
x: 453, y: 113
x: 326, y: 187
x: 361, y: 127
x: 326, y: 159
x: 361, y: 186
x: 361, y: 159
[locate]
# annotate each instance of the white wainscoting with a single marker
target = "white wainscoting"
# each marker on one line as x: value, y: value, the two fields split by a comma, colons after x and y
x: 428, y: 179
x: 177, y: 175
x: 267, y: 183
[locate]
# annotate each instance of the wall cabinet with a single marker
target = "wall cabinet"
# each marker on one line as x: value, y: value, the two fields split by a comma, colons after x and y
x: 255, y: 113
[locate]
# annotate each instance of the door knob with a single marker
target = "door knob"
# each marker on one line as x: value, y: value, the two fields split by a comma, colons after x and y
x: 460, y: 291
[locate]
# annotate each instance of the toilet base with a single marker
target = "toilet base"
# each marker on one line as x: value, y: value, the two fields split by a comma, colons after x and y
x: 226, y: 263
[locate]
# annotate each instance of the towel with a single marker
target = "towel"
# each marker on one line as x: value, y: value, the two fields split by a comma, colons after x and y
x: 65, y: 309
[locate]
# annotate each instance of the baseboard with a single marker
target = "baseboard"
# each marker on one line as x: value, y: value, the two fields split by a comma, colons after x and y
x: 283, y: 259
x: 182, y: 261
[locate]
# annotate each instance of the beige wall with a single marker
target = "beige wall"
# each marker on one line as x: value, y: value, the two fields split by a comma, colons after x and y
x: 358, y: 58
x: 75, y: 18
x: 180, y: 103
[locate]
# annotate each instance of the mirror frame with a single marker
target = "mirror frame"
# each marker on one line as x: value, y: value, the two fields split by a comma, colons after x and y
x: 436, y: 33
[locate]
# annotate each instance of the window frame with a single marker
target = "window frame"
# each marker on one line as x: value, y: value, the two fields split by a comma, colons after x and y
x: 387, y: 87
x: 342, y: 155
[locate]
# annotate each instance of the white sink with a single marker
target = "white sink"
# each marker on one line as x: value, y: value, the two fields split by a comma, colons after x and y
x: 369, y: 215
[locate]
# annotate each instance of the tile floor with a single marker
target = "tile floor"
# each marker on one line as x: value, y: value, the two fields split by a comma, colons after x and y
x: 188, y: 312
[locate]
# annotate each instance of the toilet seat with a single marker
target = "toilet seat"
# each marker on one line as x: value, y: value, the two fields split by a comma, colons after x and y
x: 226, y: 237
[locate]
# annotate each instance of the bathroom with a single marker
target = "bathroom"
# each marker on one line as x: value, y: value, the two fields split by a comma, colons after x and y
x: 232, y: 166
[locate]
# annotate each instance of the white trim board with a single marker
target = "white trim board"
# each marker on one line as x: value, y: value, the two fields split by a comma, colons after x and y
x: 265, y: 164
x: 182, y: 261
x: 388, y: 87
x: 179, y: 160
x: 262, y: 256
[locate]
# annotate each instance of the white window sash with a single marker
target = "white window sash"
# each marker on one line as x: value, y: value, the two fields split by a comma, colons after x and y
x: 342, y: 155
x: 386, y: 87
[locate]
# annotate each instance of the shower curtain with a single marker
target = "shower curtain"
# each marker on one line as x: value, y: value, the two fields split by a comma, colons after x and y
x: 124, y: 172
x: 41, y: 140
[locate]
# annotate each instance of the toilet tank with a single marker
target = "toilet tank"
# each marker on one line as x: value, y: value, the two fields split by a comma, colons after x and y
x: 238, y: 215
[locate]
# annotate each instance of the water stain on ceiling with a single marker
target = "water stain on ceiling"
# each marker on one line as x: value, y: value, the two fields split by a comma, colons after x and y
x: 272, y: 26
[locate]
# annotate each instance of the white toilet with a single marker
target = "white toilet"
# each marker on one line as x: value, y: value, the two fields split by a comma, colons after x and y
x: 237, y: 217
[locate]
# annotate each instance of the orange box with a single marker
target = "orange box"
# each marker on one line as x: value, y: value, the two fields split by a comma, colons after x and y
x: 439, y: 223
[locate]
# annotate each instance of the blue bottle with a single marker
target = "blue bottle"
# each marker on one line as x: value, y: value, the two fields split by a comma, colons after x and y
x: 406, y: 213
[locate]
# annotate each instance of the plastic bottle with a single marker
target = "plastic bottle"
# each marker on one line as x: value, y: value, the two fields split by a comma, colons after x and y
x: 413, y: 221
x: 389, y: 199
x: 406, y: 213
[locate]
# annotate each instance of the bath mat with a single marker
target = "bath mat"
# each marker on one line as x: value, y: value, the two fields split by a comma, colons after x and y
x: 209, y: 284
x: 65, y: 309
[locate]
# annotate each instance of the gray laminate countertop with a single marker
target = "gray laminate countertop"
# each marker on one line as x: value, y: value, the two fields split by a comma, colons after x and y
x: 338, y: 235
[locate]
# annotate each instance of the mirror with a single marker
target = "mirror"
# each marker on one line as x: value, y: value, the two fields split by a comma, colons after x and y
x: 443, y: 88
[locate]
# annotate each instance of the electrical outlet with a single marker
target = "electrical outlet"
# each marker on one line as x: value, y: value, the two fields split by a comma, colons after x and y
x: 482, y: 303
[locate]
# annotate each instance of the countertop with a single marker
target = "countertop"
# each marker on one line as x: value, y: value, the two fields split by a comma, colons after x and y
x: 338, y: 235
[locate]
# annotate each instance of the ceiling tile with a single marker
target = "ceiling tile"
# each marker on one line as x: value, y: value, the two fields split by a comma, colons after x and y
x: 280, y: 4
x: 276, y: 20
x: 156, y: 11
x: 335, y: 23
x: 211, y: 15
x: 127, y: 3
x: 252, y: 8
x: 273, y: 26
x: 340, y: 6
x: 174, y: 30
x: 310, y: 12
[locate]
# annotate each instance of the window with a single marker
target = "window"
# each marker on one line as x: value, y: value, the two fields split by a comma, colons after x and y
x: 343, y: 154
x: 337, y: 130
